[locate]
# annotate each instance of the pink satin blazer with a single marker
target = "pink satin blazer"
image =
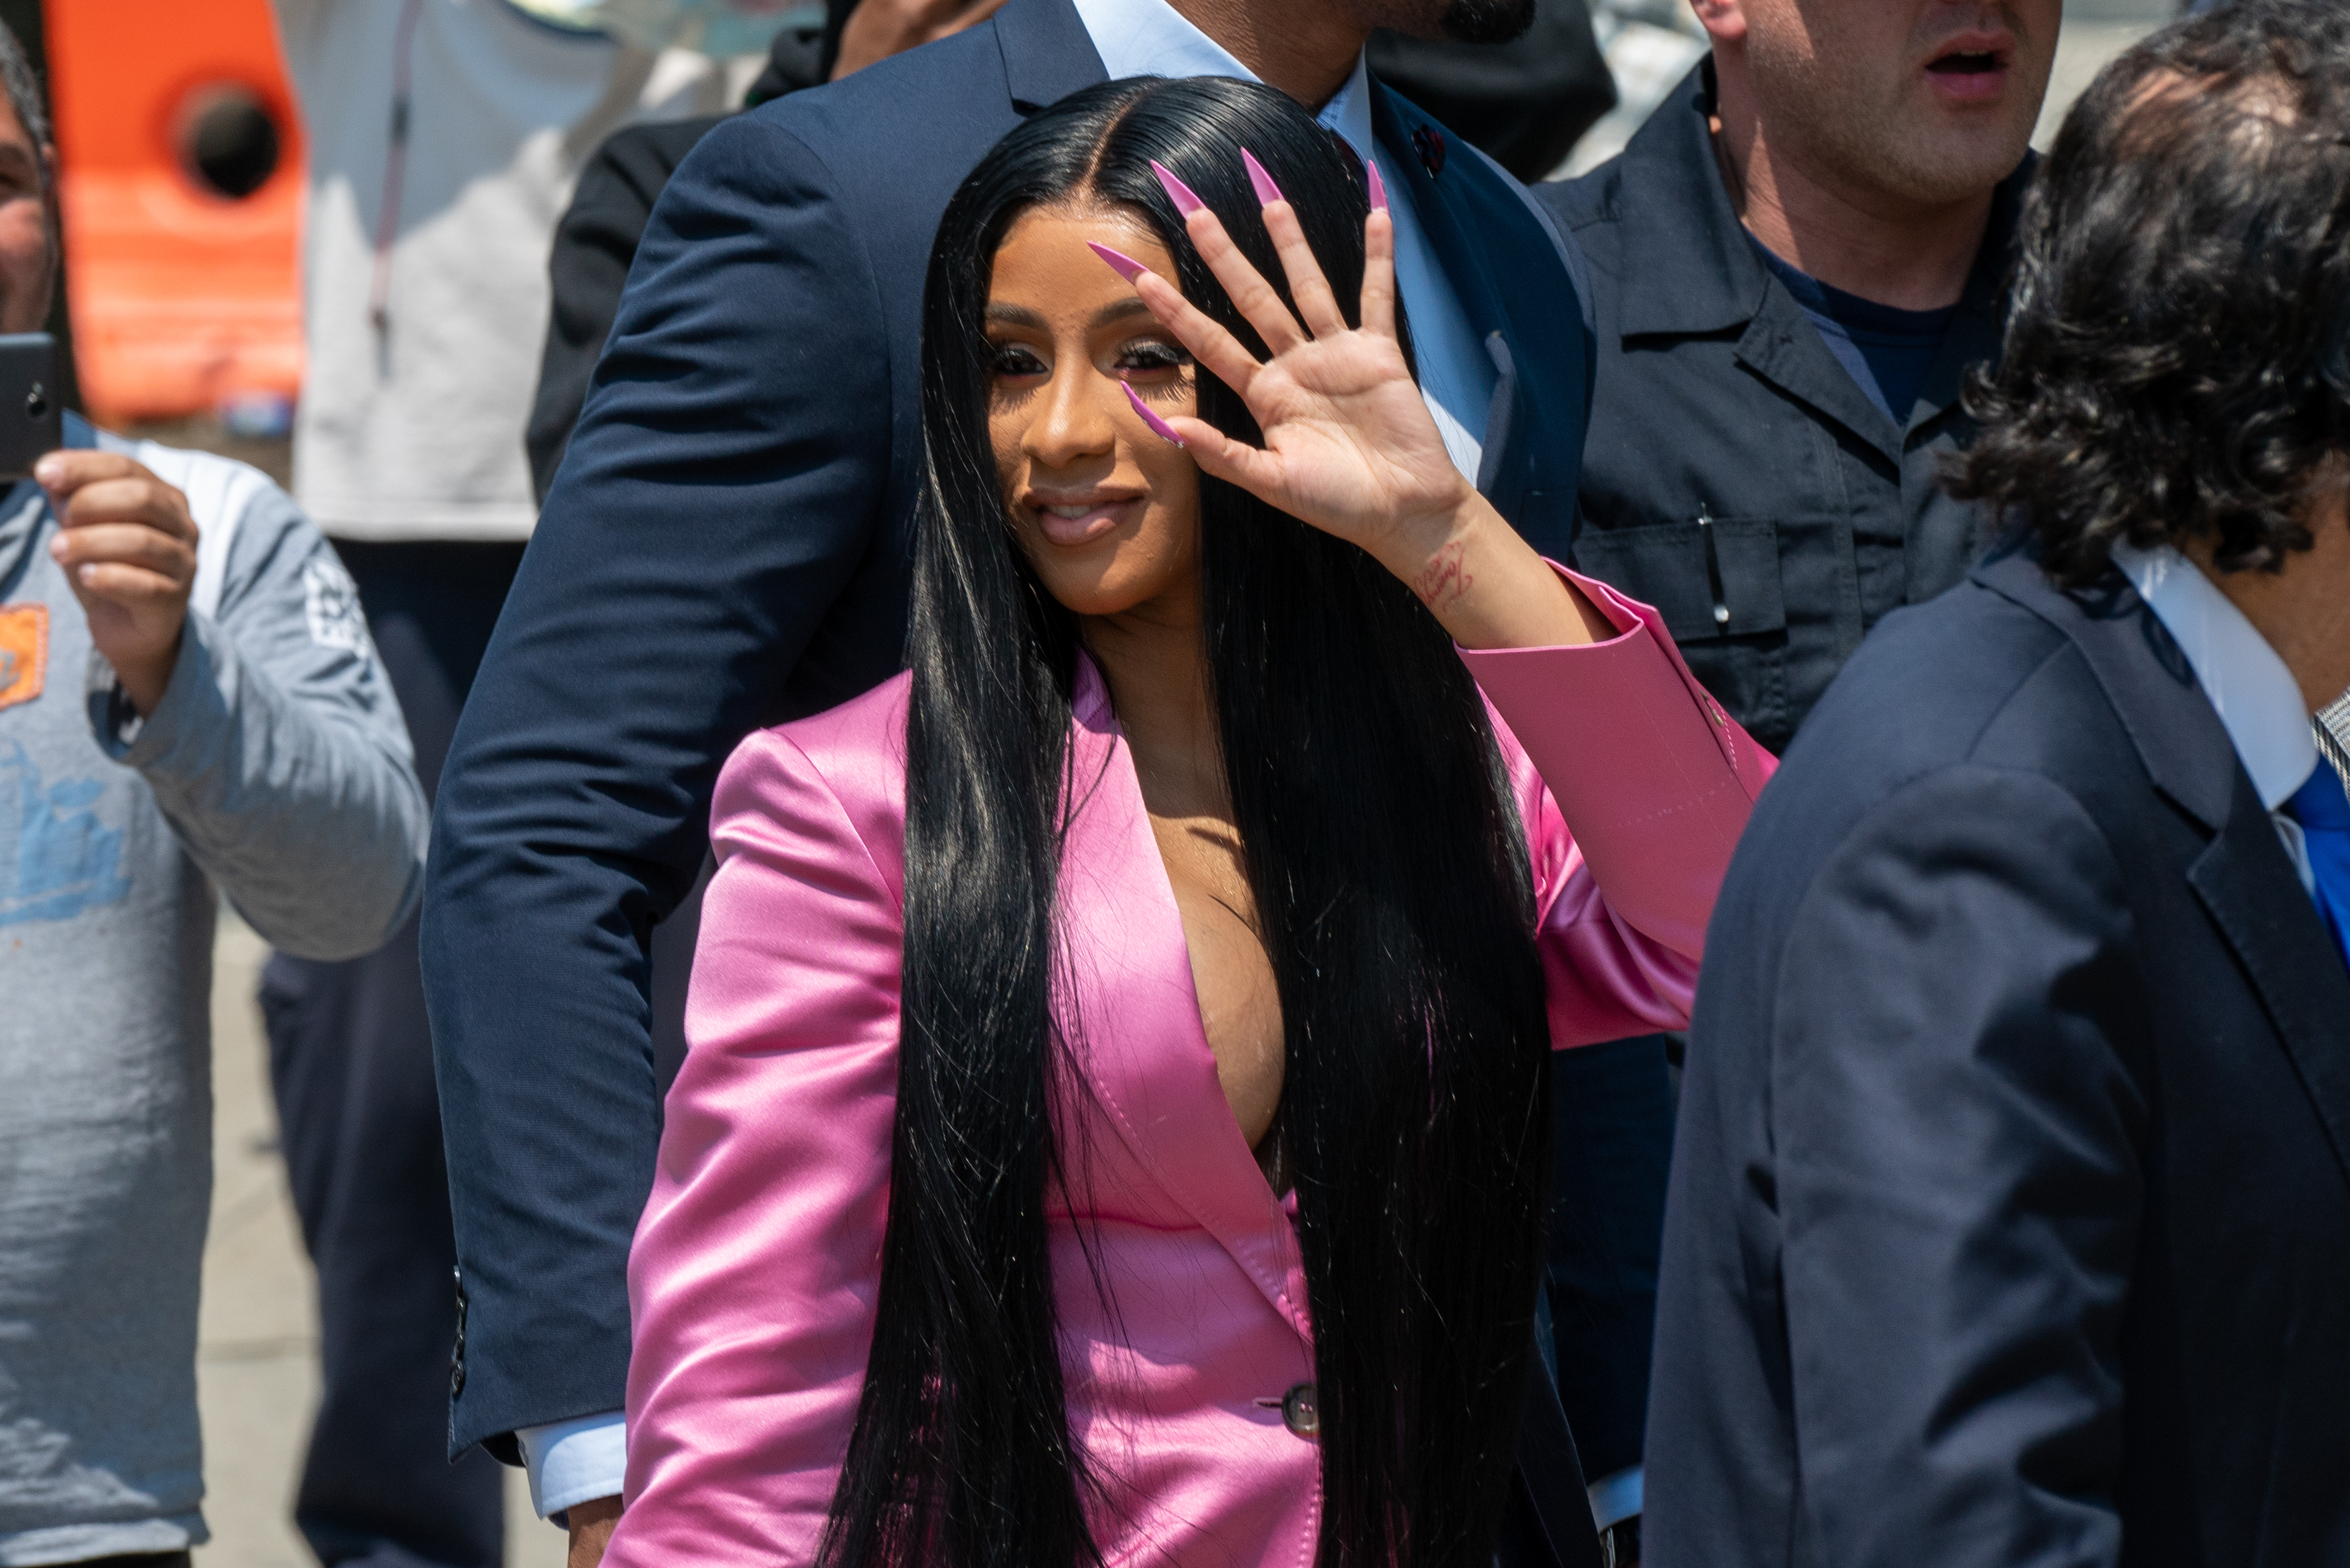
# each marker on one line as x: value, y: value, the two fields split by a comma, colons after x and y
x: 757, y: 1262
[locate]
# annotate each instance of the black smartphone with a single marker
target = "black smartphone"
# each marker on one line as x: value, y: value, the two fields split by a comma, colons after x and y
x: 32, y: 420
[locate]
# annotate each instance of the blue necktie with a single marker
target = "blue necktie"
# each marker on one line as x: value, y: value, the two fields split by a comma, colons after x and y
x: 2323, y: 812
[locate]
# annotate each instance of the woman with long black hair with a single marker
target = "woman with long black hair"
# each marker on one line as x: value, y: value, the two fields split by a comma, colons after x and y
x: 1113, y: 1130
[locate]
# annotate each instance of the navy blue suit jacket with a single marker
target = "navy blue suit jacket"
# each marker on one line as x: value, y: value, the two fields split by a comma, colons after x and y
x: 2010, y: 1217
x: 726, y: 546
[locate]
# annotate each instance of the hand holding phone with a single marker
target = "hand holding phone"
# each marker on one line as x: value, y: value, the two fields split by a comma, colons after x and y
x: 32, y: 420
x: 128, y: 545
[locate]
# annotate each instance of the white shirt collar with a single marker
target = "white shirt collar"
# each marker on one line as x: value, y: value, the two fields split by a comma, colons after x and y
x: 2256, y: 697
x: 1151, y: 38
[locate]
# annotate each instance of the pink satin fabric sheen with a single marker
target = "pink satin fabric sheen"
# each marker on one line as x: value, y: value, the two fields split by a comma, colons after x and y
x: 757, y: 1265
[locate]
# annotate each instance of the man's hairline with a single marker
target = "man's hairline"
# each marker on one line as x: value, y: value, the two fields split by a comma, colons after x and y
x: 25, y: 102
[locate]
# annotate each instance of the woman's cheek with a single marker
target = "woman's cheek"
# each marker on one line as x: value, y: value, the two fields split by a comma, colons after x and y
x: 1003, y: 435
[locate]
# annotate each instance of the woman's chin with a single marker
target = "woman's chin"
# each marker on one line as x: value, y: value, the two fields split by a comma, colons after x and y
x: 1091, y: 603
x: 1099, y: 594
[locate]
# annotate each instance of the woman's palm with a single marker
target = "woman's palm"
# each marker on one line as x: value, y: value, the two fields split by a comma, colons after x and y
x: 1349, y: 446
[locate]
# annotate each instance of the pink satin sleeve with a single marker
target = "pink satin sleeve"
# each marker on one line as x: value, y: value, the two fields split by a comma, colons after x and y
x: 1634, y: 785
x: 755, y: 1268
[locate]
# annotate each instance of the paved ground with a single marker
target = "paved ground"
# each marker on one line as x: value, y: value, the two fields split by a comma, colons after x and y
x: 256, y: 1375
x: 255, y: 1372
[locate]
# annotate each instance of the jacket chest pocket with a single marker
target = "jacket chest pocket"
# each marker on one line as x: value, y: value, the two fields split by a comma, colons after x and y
x: 1717, y: 583
x: 1713, y: 577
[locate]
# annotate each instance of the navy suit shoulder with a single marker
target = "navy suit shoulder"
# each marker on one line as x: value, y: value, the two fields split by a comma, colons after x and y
x: 946, y: 104
x: 594, y: 245
x: 1878, y: 727
x: 2015, y: 1030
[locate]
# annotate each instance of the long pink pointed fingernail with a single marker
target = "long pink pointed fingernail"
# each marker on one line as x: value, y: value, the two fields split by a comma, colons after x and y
x: 1125, y: 266
x: 1177, y: 192
x: 1159, y: 426
x: 1379, y: 186
x: 1267, y: 192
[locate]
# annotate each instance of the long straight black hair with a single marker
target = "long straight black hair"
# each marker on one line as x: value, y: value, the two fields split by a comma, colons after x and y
x: 1392, y: 890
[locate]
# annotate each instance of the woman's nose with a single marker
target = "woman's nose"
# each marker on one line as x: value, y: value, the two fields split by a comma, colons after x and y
x: 1073, y: 418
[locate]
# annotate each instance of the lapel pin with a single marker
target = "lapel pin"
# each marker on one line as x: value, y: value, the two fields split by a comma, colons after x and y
x: 1429, y: 142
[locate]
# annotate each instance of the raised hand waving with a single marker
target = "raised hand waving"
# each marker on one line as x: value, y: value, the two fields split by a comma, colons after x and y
x: 1349, y: 446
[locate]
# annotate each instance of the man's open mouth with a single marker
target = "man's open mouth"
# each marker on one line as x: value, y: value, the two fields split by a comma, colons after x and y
x: 1966, y: 63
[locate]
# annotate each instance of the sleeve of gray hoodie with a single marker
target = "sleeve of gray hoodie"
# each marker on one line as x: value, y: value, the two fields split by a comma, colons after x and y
x: 278, y: 753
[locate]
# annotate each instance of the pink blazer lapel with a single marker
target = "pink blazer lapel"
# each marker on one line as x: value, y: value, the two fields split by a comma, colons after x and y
x: 1135, y: 1016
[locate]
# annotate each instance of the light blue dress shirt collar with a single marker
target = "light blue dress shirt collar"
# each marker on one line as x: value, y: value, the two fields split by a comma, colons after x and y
x: 1151, y: 38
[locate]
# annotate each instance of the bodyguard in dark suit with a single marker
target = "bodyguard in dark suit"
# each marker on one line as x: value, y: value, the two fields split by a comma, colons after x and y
x: 2010, y: 1219
x: 726, y: 547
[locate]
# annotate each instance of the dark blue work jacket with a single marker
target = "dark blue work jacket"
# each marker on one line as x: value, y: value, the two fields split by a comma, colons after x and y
x: 1736, y: 476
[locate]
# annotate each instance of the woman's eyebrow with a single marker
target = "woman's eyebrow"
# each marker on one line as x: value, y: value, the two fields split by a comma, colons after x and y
x: 1119, y: 310
x: 1021, y: 316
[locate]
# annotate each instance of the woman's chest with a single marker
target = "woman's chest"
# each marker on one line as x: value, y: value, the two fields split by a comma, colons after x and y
x: 1147, y: 1106
x: 1235, y: 990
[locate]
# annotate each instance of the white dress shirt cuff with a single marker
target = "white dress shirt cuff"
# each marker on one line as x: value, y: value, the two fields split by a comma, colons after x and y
x: 1616, y: 1497
x: 575, y: 1461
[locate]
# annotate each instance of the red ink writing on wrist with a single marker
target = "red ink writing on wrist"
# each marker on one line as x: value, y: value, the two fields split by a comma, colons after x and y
x: 1444, y: 580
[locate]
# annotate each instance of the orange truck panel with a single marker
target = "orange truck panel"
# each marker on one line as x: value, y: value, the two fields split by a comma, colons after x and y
x: 182, y: 298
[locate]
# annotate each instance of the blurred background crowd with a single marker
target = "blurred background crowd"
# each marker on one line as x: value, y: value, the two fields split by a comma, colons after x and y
x: 373, y: 247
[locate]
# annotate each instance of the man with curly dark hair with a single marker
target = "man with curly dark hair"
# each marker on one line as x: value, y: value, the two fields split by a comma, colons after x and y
x: 2010, y: 1219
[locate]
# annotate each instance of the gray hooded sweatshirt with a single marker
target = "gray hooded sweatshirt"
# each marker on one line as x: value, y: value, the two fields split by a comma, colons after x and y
x: 276, y: 770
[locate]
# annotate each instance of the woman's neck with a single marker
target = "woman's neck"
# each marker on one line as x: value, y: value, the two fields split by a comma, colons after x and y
x: 1155, y: 663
